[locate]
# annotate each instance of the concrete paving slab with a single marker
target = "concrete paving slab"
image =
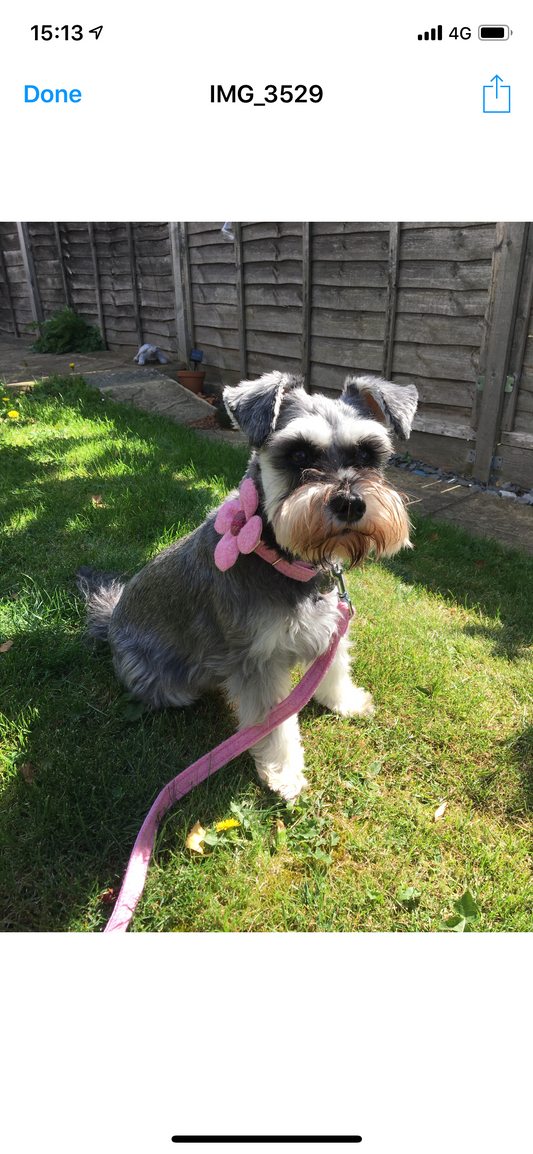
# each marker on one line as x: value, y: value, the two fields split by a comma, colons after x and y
x: 485, y: 516
x: 480, y: 514
x: 18, y: 364
x: 153, y: 392
x: 149, y: 389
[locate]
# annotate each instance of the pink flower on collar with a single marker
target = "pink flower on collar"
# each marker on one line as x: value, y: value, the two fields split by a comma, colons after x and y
x: 242, y: 531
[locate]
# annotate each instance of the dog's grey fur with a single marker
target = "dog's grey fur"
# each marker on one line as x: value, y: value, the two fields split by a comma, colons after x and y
x: 181, y: 627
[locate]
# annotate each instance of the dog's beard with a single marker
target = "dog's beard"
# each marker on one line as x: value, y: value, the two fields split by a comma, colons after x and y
x: 307, y: 528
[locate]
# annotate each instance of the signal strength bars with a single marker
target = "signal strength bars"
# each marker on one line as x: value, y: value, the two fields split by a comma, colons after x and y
x: 435, y: 34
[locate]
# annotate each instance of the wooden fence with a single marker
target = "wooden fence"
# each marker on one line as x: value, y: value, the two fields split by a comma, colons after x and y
x: 445, y: 305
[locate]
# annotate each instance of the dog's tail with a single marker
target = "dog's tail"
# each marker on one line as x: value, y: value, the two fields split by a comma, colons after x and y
x: 102, y: 591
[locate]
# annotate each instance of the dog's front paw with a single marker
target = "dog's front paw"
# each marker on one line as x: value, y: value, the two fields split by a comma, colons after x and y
x: 353, y: 702
x: 287, y: 787
x: 290, y: 790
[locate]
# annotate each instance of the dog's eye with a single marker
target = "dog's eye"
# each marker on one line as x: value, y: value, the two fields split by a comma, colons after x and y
x: 299, y: 456
x: 362, y: 457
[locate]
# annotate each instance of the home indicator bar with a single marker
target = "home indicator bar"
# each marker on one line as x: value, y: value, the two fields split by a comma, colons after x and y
x: 267, y: 1138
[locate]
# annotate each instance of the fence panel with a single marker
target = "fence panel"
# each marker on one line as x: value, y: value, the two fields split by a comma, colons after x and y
x: 349, y: 279
x: 273, y: 274
x: 15, y: 306
x: 415, y: 300
x: 213, y: 278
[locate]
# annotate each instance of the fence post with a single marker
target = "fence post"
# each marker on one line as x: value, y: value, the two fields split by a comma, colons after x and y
x: 99, y: 305
x: 62, y: 263
x: 306, y: 304
x: 487, y: 323
x: 520, y: 335
x: 29, y: 269
x: 499, y: 343
x: 3, y: 270
x: 239, y: 286
x: 134, y: 286
x: 392, y: 296
x: 183, y: 348
x: 185, y: 268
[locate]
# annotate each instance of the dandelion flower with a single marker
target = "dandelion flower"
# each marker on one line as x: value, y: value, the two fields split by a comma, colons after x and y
x: 230, y: 823
x: 13, y: 414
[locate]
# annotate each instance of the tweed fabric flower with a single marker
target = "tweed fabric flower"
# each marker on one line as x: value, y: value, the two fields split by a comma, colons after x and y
x: 241, y: 529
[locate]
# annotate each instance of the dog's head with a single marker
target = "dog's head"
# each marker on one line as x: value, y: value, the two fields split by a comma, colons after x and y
x: 321, y: 463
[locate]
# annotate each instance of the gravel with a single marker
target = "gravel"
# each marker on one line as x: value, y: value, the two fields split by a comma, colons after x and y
x: 508, y: 490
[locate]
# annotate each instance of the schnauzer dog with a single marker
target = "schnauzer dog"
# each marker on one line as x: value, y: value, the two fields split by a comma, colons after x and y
x: 249, y: 594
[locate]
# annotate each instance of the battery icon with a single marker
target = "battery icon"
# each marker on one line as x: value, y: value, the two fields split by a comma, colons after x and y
x: 493, y: 32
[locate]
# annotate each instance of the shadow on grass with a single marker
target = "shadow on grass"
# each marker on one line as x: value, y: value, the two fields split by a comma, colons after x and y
x: 521, y: 746
x: 82, y: 778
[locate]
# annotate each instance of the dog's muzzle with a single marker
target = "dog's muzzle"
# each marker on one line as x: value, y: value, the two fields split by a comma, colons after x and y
x: 347, y: 506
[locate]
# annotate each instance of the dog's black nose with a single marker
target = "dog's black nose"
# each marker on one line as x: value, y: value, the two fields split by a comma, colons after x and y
x: 347, y: 506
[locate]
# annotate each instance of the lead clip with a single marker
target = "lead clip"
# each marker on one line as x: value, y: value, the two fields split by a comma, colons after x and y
x: 343, y: 596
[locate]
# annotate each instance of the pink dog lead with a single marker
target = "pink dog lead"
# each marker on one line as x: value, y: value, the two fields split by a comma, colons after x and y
x: 135, y: 877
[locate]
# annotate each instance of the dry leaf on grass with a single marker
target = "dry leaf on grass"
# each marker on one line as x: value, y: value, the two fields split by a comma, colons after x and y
x: 27, y: 770
x: 197, y: 834
x: 7, y: 645
x: 439, y: 813
x: 108, y: 896
x: 98, y: 501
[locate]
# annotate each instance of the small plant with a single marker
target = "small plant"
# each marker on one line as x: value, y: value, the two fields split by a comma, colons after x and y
x: 466, y: 913
x: 8, y: 410
x: 66, y: 332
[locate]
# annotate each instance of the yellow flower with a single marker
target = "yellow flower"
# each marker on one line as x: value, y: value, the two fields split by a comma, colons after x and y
x: 6, y: 398
x: 71, y: 366
x: 13, y: 413
x: 230, y: 823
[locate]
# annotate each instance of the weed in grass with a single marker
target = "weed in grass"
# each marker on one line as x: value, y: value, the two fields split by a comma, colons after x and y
x: 466, y: 913
x: 444, y: 644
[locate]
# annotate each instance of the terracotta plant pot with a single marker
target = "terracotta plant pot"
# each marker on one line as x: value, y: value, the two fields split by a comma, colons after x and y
x: 192, y: 379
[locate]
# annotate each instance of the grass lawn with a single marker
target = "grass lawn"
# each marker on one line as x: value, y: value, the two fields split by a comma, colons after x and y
x: 443, y: 640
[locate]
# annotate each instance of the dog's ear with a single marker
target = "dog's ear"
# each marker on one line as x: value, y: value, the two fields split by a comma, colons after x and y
x: 393, y: 405
x: 253, y: 406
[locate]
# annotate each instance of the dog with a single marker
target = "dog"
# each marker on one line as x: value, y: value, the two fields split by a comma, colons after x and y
x: 248, y: 595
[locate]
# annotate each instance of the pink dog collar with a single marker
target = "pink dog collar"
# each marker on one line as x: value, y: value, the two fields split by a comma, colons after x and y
x: 299, y: 570
x: 242, y: 528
